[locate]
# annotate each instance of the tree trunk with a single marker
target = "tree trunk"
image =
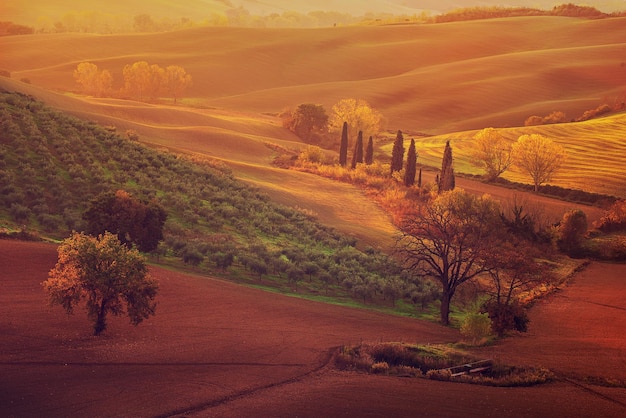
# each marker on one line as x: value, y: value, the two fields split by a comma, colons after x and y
x: 100, y: 324
x: 445, y: 308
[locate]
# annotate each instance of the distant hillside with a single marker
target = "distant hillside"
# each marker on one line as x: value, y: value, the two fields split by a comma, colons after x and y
x: 36, y: 11
x: 595, y: 153
x: 426, y: 78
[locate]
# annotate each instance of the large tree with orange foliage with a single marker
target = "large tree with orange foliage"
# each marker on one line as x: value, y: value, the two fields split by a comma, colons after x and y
x: 93, y: 81
x: 176, y: 81
x: 105, y: 273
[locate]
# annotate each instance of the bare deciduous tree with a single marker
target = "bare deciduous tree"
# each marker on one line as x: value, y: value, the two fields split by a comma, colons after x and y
x: 449, y: 241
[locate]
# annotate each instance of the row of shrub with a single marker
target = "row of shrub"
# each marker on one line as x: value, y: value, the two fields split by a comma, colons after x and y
x: 495, y: 12
x: 559, y: 117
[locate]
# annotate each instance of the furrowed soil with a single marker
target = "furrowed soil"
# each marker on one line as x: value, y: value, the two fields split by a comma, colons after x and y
x: 219, y: 349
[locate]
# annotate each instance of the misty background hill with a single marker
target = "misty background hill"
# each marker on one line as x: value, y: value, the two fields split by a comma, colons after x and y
x: 37, y: 12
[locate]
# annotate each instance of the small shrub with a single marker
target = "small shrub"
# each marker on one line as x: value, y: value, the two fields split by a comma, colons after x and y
x: 407, y: 371
x: 533, y: 121
x: 440, y: 374
x: 505, y: 317
x: 313, y: 154
x: 571, y: 231
x: 192, y: 256
x: 614, y: 219
x: 380, y: 368
x: 476, y: 327
x: 20, y: 213
x: 132, y: 135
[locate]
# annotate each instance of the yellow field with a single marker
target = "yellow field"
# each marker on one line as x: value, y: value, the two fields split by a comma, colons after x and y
x: 596, y: 153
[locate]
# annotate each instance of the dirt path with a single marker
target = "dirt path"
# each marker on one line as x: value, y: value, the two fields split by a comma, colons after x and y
x: 218, y: 349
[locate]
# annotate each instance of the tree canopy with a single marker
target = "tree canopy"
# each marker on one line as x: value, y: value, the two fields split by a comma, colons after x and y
x: 491, y: 152
x: 307, y: 120
x: 92, y: 80
x: 133, y: 221
x: 449, y: 241
x: 538, y: 156
x: 111, y: 278
x: 176, y: 81
x: 359, y: 116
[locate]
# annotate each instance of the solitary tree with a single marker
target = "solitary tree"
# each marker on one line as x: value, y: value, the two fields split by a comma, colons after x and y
x: 357, y: 157
x: 491, y: 152
x: 359, y: 115
x: 446, y: 178
x: 538, y: 156
x: 369, y: 151
x: 397, y: 153
x: 514, y: 270
x: 309, y: 119
x: 411, y: 165
x: 343, y: 147
x: 111, y: 278
x: 176, y: 81
x: 133, y: 221
x: 450, y: 240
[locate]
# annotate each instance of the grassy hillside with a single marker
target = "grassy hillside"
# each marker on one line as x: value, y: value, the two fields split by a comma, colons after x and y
x: 429, y: 78
x: 595, y: 153
x: 240, y: 140
x: 52, y: 165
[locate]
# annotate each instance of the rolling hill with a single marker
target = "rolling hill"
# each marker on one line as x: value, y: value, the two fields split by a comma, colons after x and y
x: 430, y: 78
x: 37, y: 9
x: 436, y: 79
x: 595, y: 153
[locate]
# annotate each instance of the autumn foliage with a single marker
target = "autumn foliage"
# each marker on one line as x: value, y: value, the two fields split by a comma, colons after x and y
x: 141, y: 80
x: 106, y: 274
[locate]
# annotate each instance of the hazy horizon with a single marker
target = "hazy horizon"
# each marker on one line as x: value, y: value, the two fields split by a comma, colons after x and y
x: 37, y: 11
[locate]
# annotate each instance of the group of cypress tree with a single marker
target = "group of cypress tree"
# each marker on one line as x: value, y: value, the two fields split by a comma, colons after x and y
x: 358, y: 156
x: 397, y: 161
x: 445, y: 181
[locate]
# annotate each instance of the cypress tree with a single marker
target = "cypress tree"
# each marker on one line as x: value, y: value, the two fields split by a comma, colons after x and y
x: 419, y: 179
x: 446, y: 180
x: 369, y: 152
x: 397, y: 154
x: 343, y: 148
x: 357, y: 157
x: 411, y: 165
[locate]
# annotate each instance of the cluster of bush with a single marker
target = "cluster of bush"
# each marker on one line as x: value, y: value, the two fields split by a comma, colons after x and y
x: 559, y: 117
x: 10, y: 29
x: 55, y: 168
x: 433, y: 362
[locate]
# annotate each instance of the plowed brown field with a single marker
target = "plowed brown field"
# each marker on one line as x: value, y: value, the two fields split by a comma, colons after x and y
x: 219, y: 349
